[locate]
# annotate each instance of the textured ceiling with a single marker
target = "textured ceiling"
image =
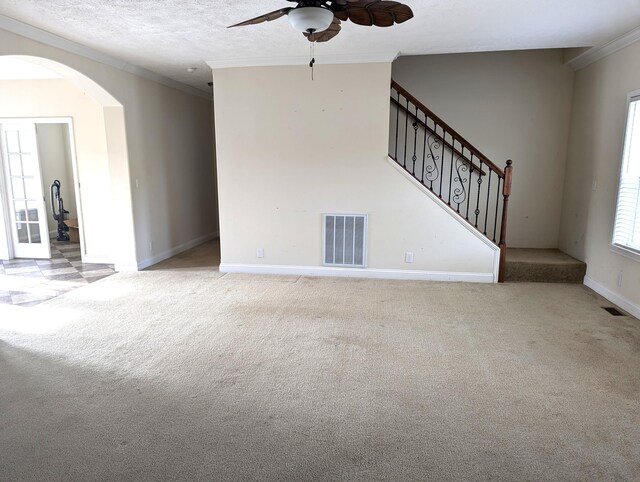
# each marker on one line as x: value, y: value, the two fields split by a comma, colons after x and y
x: 167, y: 36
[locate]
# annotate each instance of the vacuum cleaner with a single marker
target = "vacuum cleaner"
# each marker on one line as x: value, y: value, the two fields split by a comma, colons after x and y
x: 63, y: 229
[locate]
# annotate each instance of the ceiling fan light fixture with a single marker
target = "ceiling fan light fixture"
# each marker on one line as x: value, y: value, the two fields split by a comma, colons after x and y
x: 310, y: 19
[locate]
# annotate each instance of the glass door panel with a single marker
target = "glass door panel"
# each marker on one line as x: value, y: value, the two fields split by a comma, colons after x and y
x: 24, y: 189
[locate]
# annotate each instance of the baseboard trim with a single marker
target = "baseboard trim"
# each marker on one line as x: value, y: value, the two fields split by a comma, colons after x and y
x: 357, y: 273
x: 145, y: 263
x: 124, y: 267
x: 97, y: 259
x: 612, y: 296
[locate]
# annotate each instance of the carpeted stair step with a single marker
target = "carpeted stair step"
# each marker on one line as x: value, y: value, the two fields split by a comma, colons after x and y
x: 544, y: 266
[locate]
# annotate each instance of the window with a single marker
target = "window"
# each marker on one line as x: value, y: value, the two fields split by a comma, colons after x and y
x: 626, y: 230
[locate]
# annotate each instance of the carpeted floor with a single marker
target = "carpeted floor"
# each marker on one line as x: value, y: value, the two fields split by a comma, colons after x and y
x: 179, y: 373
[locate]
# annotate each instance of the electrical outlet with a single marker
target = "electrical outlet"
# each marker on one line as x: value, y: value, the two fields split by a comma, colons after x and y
x: 137, y: 183
x: 619, y: 280
x: 260, y: 253
x: 151, y: 246
x: 408, y: 257
x: 594, y: 185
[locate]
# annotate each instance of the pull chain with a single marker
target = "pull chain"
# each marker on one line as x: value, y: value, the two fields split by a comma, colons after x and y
x: 312, y: 55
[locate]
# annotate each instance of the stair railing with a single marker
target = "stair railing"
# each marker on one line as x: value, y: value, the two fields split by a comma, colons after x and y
x: 451, y: 167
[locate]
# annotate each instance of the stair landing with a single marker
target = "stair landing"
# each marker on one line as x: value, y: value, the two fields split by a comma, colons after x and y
x: 543, y: 266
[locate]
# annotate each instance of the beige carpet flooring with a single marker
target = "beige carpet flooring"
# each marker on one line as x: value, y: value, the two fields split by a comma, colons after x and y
x: 179, y: 373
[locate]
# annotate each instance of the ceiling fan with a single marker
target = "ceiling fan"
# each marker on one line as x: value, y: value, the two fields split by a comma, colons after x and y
x: 319, y: 20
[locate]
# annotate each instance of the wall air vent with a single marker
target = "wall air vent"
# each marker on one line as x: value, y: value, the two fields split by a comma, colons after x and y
x: 344, y: 240
x: 613, y: 311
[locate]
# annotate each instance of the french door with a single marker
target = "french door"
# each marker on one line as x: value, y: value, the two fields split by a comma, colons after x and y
x: 27, y: 214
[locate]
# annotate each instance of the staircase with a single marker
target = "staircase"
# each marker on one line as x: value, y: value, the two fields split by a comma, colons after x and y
x: 543, y: 265
x: 444, y: 162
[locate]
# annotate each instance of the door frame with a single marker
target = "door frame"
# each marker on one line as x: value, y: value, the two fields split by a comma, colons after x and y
x: 42, y: 248
x: 68, y: 121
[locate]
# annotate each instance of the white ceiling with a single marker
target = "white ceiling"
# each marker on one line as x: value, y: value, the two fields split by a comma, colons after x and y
x: 167, y: 36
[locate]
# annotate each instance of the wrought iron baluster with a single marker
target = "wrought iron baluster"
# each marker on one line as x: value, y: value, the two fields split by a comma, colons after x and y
x: 415, y: 144
x: 495, y: 221
x: 435, y: 129
x: 433, y: 143
x: 477, y: 210
x: 486, y: 214
x: 397, y: 124
x: 406, y: 130
x: 424, y: 156
x: 460, y: 193
x: 453, y: 143
x: 471, y: 169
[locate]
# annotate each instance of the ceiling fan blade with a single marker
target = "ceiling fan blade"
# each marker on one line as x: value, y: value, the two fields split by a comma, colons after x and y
x: 267, y: 17
x: 381, y: 13
x: 326, y: 35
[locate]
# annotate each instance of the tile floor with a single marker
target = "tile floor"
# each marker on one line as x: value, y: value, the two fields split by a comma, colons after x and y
x: 28, y: 282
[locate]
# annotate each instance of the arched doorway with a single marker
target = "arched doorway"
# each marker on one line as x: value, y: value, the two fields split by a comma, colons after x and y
x: 36, y: 89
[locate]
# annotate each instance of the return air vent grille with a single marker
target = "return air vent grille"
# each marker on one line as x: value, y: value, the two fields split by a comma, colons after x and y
x: 613, y: 311
x: 344, y: 240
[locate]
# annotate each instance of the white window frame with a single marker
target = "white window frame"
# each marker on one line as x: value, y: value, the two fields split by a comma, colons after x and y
x: 625, y: 251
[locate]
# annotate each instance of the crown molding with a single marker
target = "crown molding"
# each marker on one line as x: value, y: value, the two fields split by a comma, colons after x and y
x: 25, y: 30
x: 599, y: 52
x: 328, y: 59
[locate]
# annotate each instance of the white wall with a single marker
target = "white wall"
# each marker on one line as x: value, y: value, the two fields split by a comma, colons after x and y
x: 510, y: 105
x: 290, y: 149
x: 595, y: 150
x: 171, y: 156
x: 55, y: 162
x: 168, y: 150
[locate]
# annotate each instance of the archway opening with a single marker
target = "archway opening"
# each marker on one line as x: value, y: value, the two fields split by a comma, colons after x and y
x: 36, y: 90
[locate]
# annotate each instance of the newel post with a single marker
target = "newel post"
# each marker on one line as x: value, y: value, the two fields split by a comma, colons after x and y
x: 506, y: 192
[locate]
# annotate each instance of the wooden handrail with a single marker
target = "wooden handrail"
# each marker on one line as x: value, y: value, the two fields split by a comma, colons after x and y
x: 463, y: 158
x: 452, y: 132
